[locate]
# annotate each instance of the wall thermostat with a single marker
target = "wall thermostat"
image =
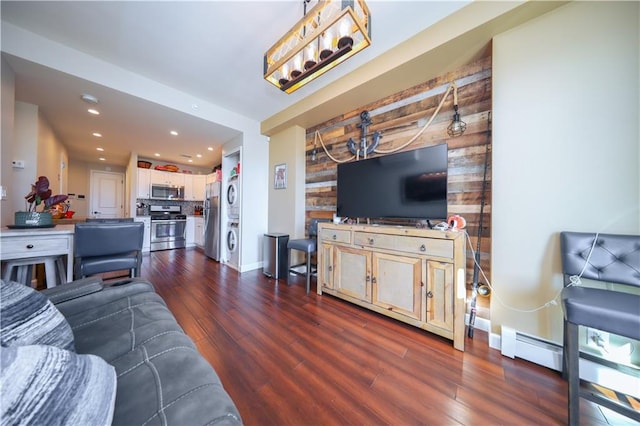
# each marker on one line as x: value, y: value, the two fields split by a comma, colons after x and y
x: 18, y: 164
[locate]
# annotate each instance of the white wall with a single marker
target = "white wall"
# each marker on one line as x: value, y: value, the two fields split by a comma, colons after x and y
x: 25, y: 148
x: 51, y: 156
x: 255, y: 197
x: 6, y: 152
x: 565, y: 149
x: 286, y: 206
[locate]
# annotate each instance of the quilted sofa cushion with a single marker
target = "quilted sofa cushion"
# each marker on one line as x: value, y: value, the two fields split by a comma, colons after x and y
x: 162, y: 378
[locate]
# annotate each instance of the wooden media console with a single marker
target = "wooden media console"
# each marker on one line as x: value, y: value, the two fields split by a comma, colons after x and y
x: 413, y: 275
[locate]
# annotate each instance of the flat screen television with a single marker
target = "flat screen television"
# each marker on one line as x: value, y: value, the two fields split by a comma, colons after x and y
x: 410, y: 184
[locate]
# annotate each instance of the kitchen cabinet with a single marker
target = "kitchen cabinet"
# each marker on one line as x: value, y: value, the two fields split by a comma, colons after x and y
x: 199, y: 231
x: 144, y: 183
x: 190, y: 231
x: 146, y: 242
x: 211, y: 178
x: 194, y: 187
x: 413, y: 275
x: 167, y: 178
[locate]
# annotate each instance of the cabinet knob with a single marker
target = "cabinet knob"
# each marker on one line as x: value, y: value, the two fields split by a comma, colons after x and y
x: 29, y: 246
x: 423, y: 248
x: 370, y: 240
x: 330, y: 268
x: 335, y: 237
x: 430, y: 294
x: 368, y: 278
x: 373, y: 280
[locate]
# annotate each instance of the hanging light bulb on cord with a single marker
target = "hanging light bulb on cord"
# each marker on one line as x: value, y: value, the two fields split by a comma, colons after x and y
x: 457, y: 126
x: 314, y: 151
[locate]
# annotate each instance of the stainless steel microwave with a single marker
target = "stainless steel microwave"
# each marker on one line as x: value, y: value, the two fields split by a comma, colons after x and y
x: 166, y: 192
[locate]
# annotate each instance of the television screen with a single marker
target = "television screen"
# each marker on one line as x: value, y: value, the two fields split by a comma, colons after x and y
x: 410, y: 184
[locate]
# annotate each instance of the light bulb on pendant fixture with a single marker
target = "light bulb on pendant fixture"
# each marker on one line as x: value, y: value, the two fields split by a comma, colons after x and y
x: 457, y: 126
x: 297, y: 66
x: 345, y: 35
x: 327, y: 48
x: 284, y: 77
x: 310, y: 57
x: 314, y: 152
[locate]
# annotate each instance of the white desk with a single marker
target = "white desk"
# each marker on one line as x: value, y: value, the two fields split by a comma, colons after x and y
x: 39, y: 243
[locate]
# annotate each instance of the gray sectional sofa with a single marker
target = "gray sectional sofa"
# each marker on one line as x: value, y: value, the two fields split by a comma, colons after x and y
x: 124, y: 334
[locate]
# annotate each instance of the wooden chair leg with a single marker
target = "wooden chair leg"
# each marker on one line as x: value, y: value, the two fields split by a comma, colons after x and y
x: 572, y: 357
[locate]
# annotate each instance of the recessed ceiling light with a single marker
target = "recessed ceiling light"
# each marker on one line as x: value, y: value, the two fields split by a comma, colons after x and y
x: 99, y: 149
x: 199, y: 155
x: 97, y: 135
x: 93, y: 111
x: 102, y: 159
x: 157, y: 154
x: 210, y: 148
x: 89, y: 98
x: 174, y: 133
x: 190, y: 160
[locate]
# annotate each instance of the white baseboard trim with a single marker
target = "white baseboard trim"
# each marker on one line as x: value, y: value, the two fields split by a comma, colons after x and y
x: 515, y: 344
x: 480, y: 323
x: 250, y: 267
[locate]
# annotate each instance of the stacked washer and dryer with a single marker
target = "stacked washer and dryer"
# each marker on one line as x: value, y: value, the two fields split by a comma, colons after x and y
x: 232, y: 238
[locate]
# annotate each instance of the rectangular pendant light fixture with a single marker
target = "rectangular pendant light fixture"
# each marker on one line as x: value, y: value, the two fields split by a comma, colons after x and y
x: 331, y: 32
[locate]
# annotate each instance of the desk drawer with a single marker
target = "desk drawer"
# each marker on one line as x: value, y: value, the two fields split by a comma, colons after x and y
x: 336, y: 235
x: 414, y: 245
x: 15, y: 248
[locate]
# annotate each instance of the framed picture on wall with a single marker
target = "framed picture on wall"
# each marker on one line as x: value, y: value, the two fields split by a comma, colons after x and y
x: 280, y: 177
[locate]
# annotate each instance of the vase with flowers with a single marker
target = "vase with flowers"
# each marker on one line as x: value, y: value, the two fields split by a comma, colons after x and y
x: 40, y: 195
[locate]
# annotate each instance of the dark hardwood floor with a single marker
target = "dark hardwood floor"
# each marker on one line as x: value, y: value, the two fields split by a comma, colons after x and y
x: 288, y: 358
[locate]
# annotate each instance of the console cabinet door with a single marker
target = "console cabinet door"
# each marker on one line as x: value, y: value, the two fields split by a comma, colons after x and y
x: 397, y: 284
x: 325, y: 262
x: 440, y: 295
x: 352, y: 273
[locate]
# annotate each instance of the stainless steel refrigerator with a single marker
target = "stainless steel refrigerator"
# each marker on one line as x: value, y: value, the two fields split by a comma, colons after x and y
x: 212, y: 221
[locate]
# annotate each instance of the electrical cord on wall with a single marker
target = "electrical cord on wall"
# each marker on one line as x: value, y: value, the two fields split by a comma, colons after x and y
x: 574, y: 280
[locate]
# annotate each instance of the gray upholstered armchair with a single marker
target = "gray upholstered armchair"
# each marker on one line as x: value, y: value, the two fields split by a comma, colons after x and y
x: 105, y: 247
x: 601, y: 257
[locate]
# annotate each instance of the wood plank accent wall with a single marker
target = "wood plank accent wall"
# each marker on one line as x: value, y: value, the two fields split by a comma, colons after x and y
x: 399, y: 117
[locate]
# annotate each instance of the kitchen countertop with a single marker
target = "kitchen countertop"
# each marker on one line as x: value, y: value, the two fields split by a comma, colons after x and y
x: 72, y: 221
x: 56, y: 230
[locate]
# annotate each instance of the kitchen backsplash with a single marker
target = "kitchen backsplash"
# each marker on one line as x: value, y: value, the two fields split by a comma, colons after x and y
x: 188, y: 207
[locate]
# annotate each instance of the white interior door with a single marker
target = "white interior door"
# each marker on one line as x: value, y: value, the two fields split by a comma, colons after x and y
x: 107, y: 194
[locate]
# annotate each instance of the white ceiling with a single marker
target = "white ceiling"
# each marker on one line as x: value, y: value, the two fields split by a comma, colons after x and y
x: 212, y: 50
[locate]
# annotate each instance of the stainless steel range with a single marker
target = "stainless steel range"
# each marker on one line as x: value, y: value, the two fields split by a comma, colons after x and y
x: 168, y: 226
